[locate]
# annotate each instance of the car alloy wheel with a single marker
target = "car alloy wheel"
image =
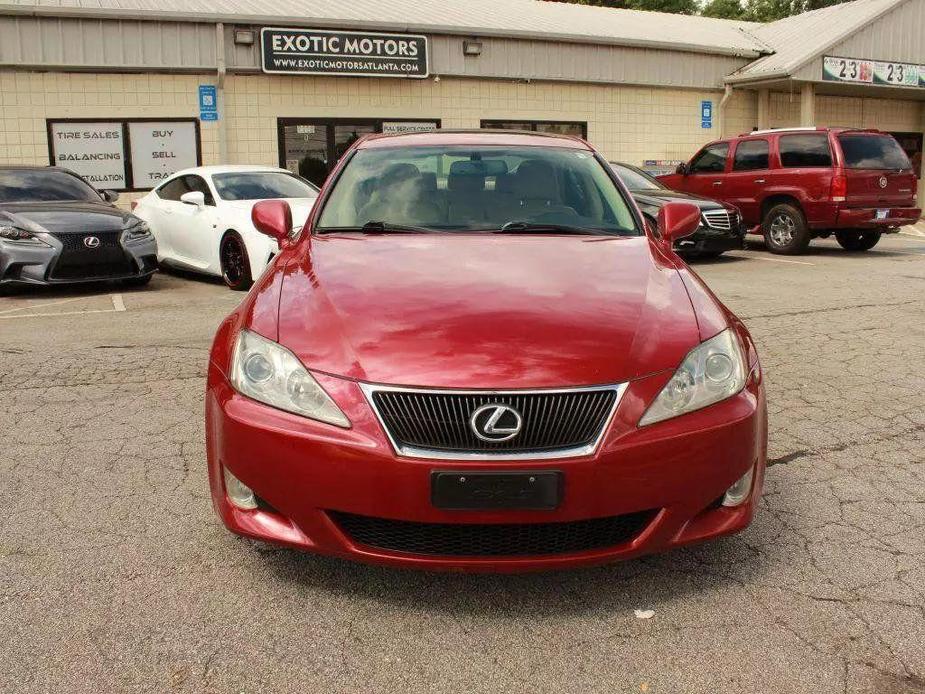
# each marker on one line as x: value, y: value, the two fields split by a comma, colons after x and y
x: 235, y: 264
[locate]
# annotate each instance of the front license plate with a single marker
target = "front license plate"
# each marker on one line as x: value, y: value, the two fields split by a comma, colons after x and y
x: 540, y: 490
x: 883, y: 214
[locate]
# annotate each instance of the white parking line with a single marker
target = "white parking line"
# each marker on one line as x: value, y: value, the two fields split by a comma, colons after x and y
x: 778, y: 260
x: 53, y: 303
x: 118, y: 305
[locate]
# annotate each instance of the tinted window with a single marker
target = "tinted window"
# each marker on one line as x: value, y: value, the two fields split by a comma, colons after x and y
x: 199, y: 185
x: 804, y: 151
x: 466, y: 189
x: 750, y: 155
x: 29, y: 185
x: 873, y: 152
x: 634, y: 179
x: 262, y: 185
x: 712, y: 159
x: 172, y: 190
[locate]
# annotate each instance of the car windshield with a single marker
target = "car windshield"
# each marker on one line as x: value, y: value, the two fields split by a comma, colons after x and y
x: 31, y: 185
x: 634, y: 179
x: 873, y: 152
x: 485, y: 188
x: 262, y: 185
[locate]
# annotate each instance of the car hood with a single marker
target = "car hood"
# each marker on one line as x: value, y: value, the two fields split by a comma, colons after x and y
x: 64, y: 217
x: 485, y: 311
x: 657, y: 198
x: 301, y: 207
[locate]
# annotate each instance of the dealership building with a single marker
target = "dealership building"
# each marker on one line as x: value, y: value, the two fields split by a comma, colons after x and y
x: 128, y: 91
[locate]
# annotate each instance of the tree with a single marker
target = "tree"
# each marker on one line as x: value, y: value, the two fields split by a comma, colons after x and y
x: 724, y: 9
x: 672, y: 6
x: 750, y: 10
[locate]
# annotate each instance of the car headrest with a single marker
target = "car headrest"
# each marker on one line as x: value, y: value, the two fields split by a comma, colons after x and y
x: 505, y: 183
x: 399, y: 173
x: 536, y: 179
x: 465, y: 183
x: 428, y: 181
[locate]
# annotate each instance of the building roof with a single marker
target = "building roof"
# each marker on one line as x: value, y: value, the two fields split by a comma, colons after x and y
x: 798, y: 39
x: 533, y: 19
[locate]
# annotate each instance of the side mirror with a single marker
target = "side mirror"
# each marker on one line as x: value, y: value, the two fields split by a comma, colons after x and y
x: 273, y: 218
x: 677, y: 220
x: 194, y: 197
x: 109, y: 195
x: 682, y: 169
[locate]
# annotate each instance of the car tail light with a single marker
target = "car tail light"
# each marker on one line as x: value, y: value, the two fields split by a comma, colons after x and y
x: 133, y: 205
x: 839, y: 187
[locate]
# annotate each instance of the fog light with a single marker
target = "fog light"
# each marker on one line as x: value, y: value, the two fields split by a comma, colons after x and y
x: 239, y: 493
x: 738, y: 493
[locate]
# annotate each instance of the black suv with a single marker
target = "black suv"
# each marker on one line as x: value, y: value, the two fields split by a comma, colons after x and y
x: 720, y: 229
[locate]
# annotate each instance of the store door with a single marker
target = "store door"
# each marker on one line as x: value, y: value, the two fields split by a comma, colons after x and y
x: 311, y: 147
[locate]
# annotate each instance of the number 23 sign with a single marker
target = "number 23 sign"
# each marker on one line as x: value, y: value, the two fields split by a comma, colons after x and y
x: 872, y: 72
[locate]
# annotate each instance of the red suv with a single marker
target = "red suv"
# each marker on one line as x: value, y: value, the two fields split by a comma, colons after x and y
x: 795, y: 184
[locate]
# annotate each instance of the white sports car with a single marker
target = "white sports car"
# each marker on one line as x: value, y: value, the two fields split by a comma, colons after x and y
x: 201, y: 218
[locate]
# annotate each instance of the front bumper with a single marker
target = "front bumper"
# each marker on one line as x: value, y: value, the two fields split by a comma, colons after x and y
x: 309, y: 474
x: 22, y: 264
x: 866, y: 217
x: 707, y: 240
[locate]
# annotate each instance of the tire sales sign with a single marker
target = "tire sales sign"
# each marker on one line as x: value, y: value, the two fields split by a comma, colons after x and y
x: 343, y: 53
x: 876, y: 72
x: 96, y: 151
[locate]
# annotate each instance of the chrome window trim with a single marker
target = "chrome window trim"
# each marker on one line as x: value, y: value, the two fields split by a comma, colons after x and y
x: 413, y: 452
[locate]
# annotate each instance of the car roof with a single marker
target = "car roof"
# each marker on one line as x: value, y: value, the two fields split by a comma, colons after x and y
x: 228, y: 168
x: 33, y: 167
x: 473, y: 137
x: 811, y: 129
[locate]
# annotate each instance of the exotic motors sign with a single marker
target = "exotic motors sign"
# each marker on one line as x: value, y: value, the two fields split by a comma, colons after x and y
x: 872, y: 72
x: 347, y: 53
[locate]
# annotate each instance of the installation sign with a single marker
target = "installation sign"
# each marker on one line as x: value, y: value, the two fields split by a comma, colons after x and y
x: 344, y: 53
x: 877, y: 72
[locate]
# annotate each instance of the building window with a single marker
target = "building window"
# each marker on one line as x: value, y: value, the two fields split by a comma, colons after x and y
x: 560, y: 127
x: 131, y: 154
x: 310, y: 147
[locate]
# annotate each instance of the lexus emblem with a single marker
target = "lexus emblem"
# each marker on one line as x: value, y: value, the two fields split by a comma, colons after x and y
x: 91, y: 241
x: 496, y: 422
x: 883, y: 181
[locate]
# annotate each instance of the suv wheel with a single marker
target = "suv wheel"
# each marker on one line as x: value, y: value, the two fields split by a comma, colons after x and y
x: 785, y: 230
x: 857, y: 240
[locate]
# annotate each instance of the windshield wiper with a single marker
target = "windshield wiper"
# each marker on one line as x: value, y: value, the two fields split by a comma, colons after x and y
x: 380, y: 227
x: 515, y: 227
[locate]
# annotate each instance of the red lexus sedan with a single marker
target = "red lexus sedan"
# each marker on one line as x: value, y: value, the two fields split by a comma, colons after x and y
x: 477, y: 356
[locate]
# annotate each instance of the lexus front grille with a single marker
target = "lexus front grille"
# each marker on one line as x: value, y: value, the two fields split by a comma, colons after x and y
x: 493, y: 425
x: 720, y: 219
x: 492, y: 539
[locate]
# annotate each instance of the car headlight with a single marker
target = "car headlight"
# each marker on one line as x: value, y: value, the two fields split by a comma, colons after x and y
x: 268, y: 372
x: 136, y: 232
x: 19, y: 236
x: 712, y: 371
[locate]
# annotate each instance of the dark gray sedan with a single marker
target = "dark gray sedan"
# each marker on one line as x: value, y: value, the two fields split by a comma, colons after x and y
x: 721, y: 228
x: 56, y: 228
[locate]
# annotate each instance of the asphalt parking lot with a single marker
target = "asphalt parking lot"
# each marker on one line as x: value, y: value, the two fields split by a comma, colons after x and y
x: 116, y: 576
